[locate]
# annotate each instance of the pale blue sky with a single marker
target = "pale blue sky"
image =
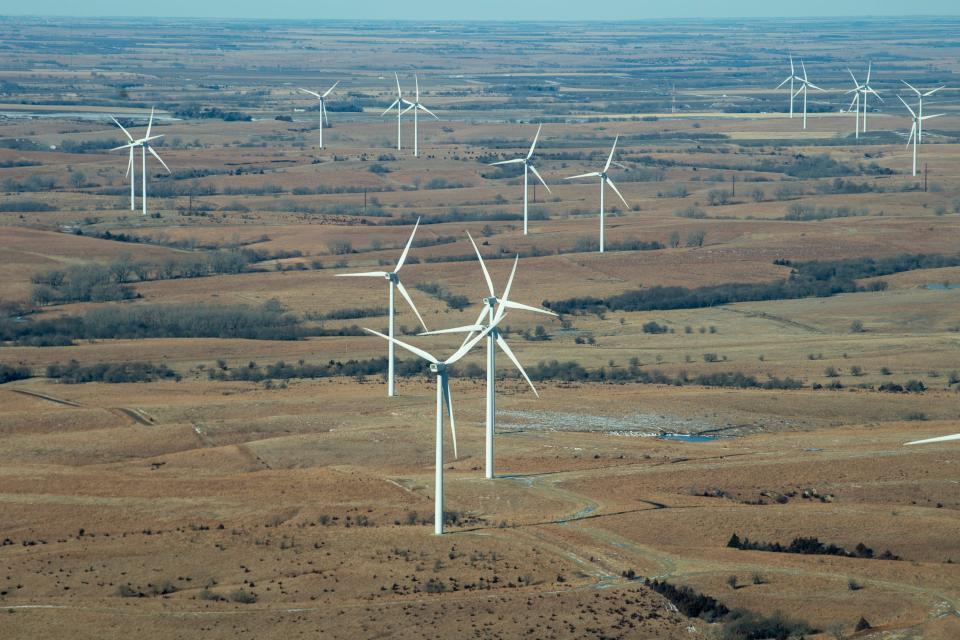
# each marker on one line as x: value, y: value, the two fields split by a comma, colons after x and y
x: 481, y: 9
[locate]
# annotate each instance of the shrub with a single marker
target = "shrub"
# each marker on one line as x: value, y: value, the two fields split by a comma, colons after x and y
x: 243, y: 597
x: 653, y: 327
x: 10, y: 373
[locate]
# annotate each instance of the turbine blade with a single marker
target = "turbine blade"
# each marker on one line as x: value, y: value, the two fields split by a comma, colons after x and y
x: 913, y: 88
x: 810, y: 84
x: 313, y: 93
x: 792, y: 70
x: 617, y: 191
x: 869, y: 69
x: 913, y: 134
x: 407, y: 109
x: 327, y: 92
x: 399, y: 91
x: 150, y: 123
x: 126, y: 146
x: 803, y: 66
x: 406, y: 249
x: 129, y: 163
x: 130, y: 137
x: 323, y: 109
x: 390, y: 108
x: 513, y: 272
x: 406, y: 296
x: 610, y: 157
x: 409, y: 347
x: 540, y: 178
x: 935, y: 115
x: 593, y: 174
x: 363, y: 274
x: 855, y: 101
x: 449, y: 403
x: 534, y: 145
x: 469, y: 328
x: 933, y: 91
x: 514, y: 161
x: 870, y: 89
x: 484, y: 310
x: 786, y: 80
x: 507, y: 350
x: 423, y: 108
x: 467, y: 346
x: 524, y: 307
x: 955, y: 436
x: 416, y: 83
x: 907, y: 106
x: 486, y: 274
x: 157, y: 156
x: 854, y: 78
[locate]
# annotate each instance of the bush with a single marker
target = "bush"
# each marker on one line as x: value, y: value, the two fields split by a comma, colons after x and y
x: 653, y: 327
x: 243, y: 597
x: 747, y: 625
x: 10, y: 373
x: 74, y: 373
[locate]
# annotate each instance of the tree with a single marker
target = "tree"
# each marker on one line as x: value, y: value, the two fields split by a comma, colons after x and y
x: 758, y: 195
x: 78, y: 179
x: 674, y: 240
x: 696, y: 238
x: 857, y: 326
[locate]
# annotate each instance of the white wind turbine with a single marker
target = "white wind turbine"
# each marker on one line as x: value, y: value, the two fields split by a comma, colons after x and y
x: 866, y: 89
x: 131, y: 165
x: 604, y: 180
x: 790, y: 78
x: 439, y: 368
x: 955, y: 436
x: 855, y: 103
x: 493, y: 307
x: 915, y: 131
x: 398, y: 103
x: 322, y: 97
x: 920, y: 96
x: 527, y: 166
x: 804, y: 84
x: 144, y: 144
x: 415, y: 106
x: 393, y: 278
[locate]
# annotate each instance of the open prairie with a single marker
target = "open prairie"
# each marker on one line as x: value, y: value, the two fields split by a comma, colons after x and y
x: 195, y: 432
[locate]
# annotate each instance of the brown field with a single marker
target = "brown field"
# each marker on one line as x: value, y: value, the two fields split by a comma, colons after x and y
x: 288, y: 507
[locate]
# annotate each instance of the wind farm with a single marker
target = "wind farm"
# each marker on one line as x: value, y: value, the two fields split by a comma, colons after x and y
x: 718, y: 402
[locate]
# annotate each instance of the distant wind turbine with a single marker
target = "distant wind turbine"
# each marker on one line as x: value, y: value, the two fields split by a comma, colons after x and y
x: 527, y: 166
x: 415, y: 106
x: 790, y: 78
x: 493, y: 307
x: 920, y: 96
x: 855, y: 103
x: 393, y: 277
x: 865, y: 90
x: 322, y: 97
x: 440, y: 368
x: 604, y: 180
x: 915, y: 131
x: 144, y: 144
x: 804, y: 84
x: 398, y: 103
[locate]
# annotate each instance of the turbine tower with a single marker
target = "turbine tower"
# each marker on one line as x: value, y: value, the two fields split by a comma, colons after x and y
x: 492, y: 307
x: 920, y: 96
x: 804, y: 84
x: 855, y: 103
x: 322, y: 97
x: 440, y: 369
x: 604, y: 180
x: 415, y: 106
x: 790, y: 78
x: 915, y: 131
x: 144, y: 144
x: 527, y: 166
x: 398, y: 103
x: 393, y: 277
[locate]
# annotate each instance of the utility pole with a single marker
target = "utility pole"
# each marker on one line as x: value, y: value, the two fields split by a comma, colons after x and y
x: 924, y: 177
x: 733, y: 180
x: 364, y: 200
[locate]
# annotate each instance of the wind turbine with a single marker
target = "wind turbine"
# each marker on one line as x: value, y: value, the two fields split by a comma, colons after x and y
x: 440, y: 368
x: 790, y: 79
x: 604, y: 179
x: 494, y: 307
x: 415, y: 106
x: 920, y: 97
x: 527, y: 166
x: 322, y: 97
x: 398, y: 103
x: 804, y: 83
x: 393, y: 278
x: 915, y: 131
x: 866, y: 89
x: 131, y: 167
x: 144, y: 144
x: 855, y: 103
x: 955, y: 436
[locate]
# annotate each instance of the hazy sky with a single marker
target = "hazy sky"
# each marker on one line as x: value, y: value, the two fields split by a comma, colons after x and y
x: 481, y: 9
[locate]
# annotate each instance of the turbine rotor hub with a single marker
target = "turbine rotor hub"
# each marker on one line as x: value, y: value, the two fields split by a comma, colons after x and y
x: 438, y: 367
x: 392, y: 277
